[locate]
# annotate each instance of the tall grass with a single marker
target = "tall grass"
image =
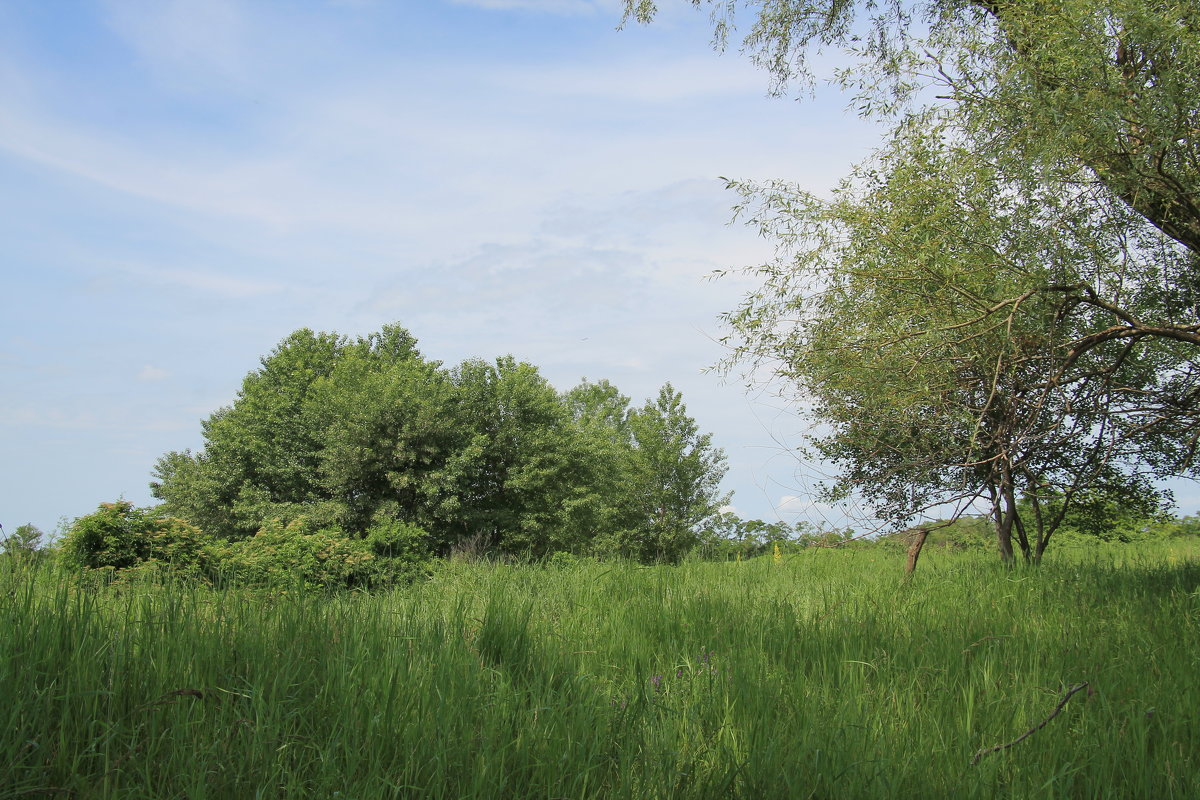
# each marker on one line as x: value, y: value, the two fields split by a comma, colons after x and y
x: 824, y: 675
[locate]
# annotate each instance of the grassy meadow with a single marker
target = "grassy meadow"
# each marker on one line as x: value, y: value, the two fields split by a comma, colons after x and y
x: 823, y: 675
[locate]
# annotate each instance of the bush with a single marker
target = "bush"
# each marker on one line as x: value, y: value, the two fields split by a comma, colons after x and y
x: 290, y: 554
x: 120, y: 536
x: 395, y: 539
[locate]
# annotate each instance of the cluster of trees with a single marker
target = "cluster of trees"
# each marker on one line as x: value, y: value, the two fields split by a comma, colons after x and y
x: 727, y: 536
x: 1002, y: 305
x: 365, y: 440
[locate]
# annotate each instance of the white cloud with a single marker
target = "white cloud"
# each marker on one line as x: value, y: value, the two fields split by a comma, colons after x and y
x: 152, y: 374
x: 201, y: 184
x: 199, y: 37
x: 540, y: 6
x: 513, y: 193
x: 792, y: 504
x: 52, y: 418
x: 217, y: 283
x: 641, y: 80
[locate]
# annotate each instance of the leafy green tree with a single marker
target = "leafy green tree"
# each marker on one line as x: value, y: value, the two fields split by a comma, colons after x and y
x: 388, y: 444
x: 26, y: 540
x: 526, y: 476
x: 1110, y: 514
x: 600, y: 406
x: 674, y: 482
x: 937, y: 374
x: 601, y: 415
x: 1003, y: 302
x: 725, y: 535
x: 262, y: 457
x: 1183, y: 526
x: 364, y: 437
x: 260, y: 453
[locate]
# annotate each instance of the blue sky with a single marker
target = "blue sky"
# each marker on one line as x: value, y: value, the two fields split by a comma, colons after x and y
x: 188, y: 181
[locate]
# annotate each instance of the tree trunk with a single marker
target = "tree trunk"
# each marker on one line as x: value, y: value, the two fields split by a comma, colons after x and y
x: 1041, y: 548
x: 1022, y: 537
x: 1003, y: 515
x: 1004, y: 540
x: 914, y: 550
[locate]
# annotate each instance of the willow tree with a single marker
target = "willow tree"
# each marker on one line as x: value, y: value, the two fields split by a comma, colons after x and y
x: 1004, y: 301
x: 918, y: 315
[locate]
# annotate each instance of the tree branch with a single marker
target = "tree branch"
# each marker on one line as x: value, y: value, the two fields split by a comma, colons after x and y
x: 1057, y: 710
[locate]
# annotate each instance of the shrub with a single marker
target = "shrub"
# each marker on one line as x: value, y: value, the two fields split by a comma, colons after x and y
x: 290, y: 554
x: 287, y: 554
x: 119, y: 536
x: 395, y: 539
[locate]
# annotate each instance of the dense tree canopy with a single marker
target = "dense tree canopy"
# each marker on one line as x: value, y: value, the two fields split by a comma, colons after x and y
x: 358, y: 436
x: 1003, y: 302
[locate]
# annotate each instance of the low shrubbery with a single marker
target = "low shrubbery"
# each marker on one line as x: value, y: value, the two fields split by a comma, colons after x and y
x: 311, y: 552
x: 122, y: 538
x: 119, y: 536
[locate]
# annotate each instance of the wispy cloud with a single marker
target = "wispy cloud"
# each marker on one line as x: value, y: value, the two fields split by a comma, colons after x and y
x: 152, y: 374
x: 540, y: 6
x: 195, y: 37
x: 217, y: 283
x: 641, y: 79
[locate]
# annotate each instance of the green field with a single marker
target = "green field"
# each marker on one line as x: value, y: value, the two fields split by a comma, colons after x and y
x: 824, y: 675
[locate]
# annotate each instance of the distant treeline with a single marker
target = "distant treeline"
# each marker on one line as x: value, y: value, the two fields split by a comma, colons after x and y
x: 126, y: 541
x: 354, y: 463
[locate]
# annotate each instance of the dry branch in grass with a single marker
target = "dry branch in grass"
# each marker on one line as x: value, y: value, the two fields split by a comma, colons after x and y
x: 1057, y: 709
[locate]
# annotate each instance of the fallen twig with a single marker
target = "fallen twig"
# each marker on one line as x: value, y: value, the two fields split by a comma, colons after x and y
x: 166, y: 701
x: 1058, y: 708
x: 981, y: 641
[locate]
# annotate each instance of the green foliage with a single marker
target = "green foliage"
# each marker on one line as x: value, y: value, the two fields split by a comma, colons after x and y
x: 388, y: 441
x: 291, y: 556
x: 725, y: 536
x: 25, y: 541
x: 391, y: 538
x: 1111, y: 516
x: 119, y: 536
x: 672, y: 483
x: 526, y: 480
x: 961, y: 534
x: 259, y: 453
x: 295, y: 555
x: 1002, y: 301
x: 334, y: 434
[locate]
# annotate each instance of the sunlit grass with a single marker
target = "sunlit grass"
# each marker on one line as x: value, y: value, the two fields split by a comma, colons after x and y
x: 821, y: 674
